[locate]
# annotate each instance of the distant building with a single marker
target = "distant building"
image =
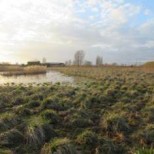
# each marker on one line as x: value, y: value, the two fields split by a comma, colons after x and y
x: 53, y: 64
x: 34, y: 63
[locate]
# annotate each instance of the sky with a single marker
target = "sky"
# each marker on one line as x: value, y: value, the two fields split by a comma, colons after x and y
x: 120, y: 31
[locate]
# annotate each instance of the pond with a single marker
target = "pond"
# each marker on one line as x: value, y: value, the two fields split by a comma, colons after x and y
x: 49, y: 77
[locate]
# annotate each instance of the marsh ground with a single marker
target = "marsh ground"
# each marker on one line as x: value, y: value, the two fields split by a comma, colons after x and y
x: 111, y: 114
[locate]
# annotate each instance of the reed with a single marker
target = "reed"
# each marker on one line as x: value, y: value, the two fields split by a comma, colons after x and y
x: 10, y: 68
x: 29, y: 70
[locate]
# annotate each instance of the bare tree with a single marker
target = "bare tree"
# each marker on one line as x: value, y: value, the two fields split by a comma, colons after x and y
x: 79, y: 57
x: 99, y: 61
x: 68, y: 63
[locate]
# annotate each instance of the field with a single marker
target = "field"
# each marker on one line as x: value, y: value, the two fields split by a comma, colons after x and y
x: 112, y: 113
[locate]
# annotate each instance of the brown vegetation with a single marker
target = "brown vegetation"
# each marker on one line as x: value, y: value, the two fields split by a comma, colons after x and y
x: 29, y: 70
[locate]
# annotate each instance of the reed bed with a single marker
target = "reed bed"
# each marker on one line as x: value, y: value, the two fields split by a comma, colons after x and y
x: 29, y: 70
x: 10, y: 68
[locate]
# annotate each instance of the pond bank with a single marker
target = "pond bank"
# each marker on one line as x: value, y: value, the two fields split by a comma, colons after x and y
x: 48, y: 77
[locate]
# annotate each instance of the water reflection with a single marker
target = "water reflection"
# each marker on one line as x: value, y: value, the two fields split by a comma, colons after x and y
x: 51, y: 76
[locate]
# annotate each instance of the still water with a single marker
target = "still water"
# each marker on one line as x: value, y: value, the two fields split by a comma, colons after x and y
x: 50, y: 77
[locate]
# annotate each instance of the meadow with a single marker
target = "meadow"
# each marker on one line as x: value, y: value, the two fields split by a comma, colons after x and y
x: 113, y: 113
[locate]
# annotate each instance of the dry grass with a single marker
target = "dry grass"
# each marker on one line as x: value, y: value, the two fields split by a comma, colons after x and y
x: 35, y: 69
x: 10, y: 68
x: 104, y: 71
x: 29, y: 70
x: 111, y: 114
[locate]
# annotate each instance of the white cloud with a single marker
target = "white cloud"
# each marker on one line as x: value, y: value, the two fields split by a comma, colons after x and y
x: 116, y: 12
x: 28, y: 27
x: 147, y: 28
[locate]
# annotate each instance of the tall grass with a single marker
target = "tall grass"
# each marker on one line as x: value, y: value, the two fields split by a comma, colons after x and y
x: 35, y: 69
x: 111, y: 114
x: 10, y: 68
x: 29, y: 70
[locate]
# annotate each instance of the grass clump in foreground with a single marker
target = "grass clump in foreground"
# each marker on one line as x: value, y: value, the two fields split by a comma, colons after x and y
x: 110, y: 115
x: 61, y: 145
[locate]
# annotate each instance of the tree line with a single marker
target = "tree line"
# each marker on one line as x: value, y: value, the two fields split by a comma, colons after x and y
x: 79, y: 60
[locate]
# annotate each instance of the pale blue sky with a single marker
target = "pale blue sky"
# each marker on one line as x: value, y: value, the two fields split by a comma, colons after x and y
x: 119, y: 30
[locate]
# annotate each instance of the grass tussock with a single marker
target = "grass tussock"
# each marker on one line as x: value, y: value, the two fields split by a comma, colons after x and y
x: 61, y: 145
x: 111, y: 115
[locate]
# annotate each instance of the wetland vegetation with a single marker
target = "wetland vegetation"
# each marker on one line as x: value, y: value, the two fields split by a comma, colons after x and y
x: 28, y: 70
x: 111, y: 114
